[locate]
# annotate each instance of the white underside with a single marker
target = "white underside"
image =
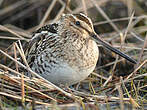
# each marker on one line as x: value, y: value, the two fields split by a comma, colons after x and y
x: 63, y: 74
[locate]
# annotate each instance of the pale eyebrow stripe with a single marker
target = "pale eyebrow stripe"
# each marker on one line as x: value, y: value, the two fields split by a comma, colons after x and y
x: 74, y: 17
x: 83, y: 18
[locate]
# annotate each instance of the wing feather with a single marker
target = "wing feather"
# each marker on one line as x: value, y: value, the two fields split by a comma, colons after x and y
x: 31, y: 47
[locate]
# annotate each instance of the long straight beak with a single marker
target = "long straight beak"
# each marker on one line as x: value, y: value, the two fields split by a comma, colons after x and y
x: 108, y: 46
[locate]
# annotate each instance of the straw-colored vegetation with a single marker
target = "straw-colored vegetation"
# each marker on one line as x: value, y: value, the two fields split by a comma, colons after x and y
x: 115, y: 83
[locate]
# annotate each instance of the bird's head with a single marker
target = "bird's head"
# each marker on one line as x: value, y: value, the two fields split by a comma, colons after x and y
x: 79, y: 22
x: 83, y: 24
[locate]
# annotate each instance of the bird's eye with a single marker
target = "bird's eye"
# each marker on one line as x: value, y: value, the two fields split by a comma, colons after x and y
x: 78, y: 23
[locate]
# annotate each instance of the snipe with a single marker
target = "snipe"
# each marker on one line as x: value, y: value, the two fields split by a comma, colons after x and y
x: 66, y: 52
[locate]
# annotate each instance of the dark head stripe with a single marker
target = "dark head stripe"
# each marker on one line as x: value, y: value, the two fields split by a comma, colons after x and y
x: 83, y: 18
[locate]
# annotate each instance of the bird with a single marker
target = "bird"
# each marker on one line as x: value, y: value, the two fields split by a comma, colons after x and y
x: 66, y: 52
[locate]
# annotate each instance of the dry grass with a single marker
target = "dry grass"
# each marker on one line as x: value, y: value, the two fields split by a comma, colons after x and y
x: 114, y: 81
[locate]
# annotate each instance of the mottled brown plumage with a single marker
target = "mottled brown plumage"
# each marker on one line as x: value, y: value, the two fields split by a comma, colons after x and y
x: 65, y: 52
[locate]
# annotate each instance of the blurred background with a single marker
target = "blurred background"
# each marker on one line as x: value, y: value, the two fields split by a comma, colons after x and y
x: 122, y: 23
